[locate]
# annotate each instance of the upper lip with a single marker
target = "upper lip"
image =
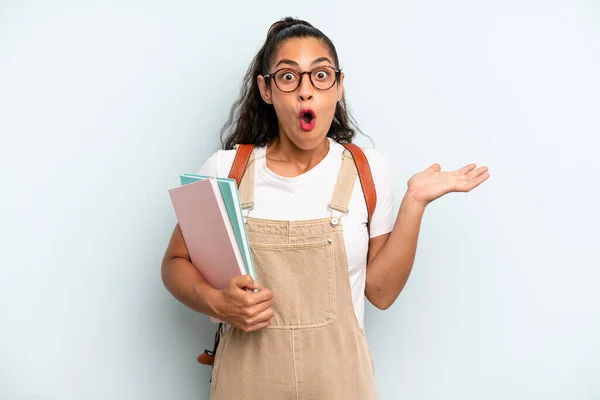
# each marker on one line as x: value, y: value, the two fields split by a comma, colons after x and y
x: 305, y: 111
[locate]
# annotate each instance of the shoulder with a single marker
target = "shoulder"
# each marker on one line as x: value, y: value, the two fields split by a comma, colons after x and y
x: 380, y: 165
x: 383, y: 178
x: 218, y: 163
x: 378, y: 162
x: 383, y: 175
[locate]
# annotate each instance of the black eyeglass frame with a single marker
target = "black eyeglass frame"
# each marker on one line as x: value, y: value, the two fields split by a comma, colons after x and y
x: 302, y: 73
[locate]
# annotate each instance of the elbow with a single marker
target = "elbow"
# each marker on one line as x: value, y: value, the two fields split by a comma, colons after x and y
x: 379, y: 295
x: 380, y: 300
x: 382, y: 304
x: 166, y: 271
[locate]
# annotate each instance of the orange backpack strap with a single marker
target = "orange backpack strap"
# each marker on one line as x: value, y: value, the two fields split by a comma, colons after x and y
x: 360, y: 159
x: 365, y: 176
x: 240, y: 162
x: 207, y: 357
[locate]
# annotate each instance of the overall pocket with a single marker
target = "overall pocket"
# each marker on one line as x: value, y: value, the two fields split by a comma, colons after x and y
x: 302, y: 278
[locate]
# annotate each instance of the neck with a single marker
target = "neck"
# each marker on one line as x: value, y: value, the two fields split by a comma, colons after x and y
x: 287, y: 159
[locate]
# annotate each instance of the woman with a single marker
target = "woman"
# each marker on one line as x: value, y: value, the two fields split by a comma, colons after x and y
x: 300, y: 336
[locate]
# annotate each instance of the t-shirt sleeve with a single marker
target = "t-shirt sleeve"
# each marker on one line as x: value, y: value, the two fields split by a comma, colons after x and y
x: 383, y: 217
x: 210, y: 166
x: 218, y: 164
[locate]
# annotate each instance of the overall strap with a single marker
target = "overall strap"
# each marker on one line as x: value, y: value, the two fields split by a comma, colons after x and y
x: 344, y: 184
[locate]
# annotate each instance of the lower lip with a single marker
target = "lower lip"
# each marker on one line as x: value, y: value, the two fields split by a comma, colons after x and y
x: 307, y: 126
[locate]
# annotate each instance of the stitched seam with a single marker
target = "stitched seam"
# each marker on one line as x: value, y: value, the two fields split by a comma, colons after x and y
x: 294, y: 362
x: 298, y: 327
x: 299, y: 222
x: 289, y: 246
x: 338, y: 207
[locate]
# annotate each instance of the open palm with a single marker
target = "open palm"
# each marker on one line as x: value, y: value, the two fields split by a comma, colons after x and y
x: 431, y: 184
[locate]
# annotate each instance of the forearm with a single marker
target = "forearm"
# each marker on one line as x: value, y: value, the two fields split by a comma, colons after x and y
x: 388, y: 272
x: 187, y: 285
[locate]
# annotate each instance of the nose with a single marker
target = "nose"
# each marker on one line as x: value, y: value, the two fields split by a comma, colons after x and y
x: 305, y: 90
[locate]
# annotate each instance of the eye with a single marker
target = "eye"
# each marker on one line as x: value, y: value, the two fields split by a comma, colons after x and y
x: 287, y: 76
x: 321, y: 74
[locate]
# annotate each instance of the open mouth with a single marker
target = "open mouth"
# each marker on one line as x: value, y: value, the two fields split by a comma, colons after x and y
x: 307, y: 119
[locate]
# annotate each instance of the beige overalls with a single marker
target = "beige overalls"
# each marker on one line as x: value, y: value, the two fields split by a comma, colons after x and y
x: 314, y: 348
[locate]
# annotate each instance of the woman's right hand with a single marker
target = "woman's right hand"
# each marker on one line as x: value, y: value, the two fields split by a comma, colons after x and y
x: 246, y: 310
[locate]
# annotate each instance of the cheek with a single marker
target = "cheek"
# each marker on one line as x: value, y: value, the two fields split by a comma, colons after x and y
x: 328, y: 103
x: 284, y: 106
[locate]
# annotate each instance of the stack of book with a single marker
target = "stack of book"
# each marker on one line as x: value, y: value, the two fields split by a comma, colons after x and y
x: 209, y: 213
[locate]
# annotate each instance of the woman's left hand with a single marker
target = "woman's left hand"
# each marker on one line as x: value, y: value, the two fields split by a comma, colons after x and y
x: 433, y: 183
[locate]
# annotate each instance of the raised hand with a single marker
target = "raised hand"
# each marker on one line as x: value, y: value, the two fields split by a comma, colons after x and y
x: 431, y: 184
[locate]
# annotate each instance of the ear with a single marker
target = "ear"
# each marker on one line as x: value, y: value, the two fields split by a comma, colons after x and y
x: 265, y: 92
x: 340, y: 87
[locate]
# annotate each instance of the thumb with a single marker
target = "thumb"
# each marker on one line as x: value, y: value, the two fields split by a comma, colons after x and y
x: 434, y: 168
x: 252, y: 284
x: 244, y: 281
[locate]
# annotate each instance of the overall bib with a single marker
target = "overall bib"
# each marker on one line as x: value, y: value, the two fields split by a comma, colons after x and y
x: 314, y: 348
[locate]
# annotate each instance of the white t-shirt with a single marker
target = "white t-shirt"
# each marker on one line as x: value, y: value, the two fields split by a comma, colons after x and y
x: 306, y: 197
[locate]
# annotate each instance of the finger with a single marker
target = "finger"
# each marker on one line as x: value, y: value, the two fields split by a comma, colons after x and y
x: 257, y: 327
x: 466, y: 185
x: 477, y: 172
x: 466, y: 169
x: 254, y: 298
x: 242, y: 281
x: 264, y: 316
x: 435, y: 168
x: 480, y: 179
x: 256, y: 309
x: 252, y: 286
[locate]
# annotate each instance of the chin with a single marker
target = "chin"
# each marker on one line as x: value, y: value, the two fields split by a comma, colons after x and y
x: 308, y: 140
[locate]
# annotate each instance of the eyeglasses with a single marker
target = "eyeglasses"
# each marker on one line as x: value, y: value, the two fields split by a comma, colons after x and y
x: 288, y: 79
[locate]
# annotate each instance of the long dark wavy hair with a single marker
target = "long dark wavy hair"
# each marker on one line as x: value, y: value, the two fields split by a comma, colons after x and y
x: 251, y: 120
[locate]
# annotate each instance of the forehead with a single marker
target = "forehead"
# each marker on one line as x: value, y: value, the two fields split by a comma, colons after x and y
x: 303, y: 51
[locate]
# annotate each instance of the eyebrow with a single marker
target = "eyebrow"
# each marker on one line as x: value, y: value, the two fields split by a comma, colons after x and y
x: 294, y: 63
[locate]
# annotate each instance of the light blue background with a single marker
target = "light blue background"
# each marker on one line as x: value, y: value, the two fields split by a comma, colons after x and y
x: 103, y: 104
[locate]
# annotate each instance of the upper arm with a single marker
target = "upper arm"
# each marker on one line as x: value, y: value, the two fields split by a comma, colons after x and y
x: 176, y: 247
x: 375, y: 245
x: 383, y: 218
